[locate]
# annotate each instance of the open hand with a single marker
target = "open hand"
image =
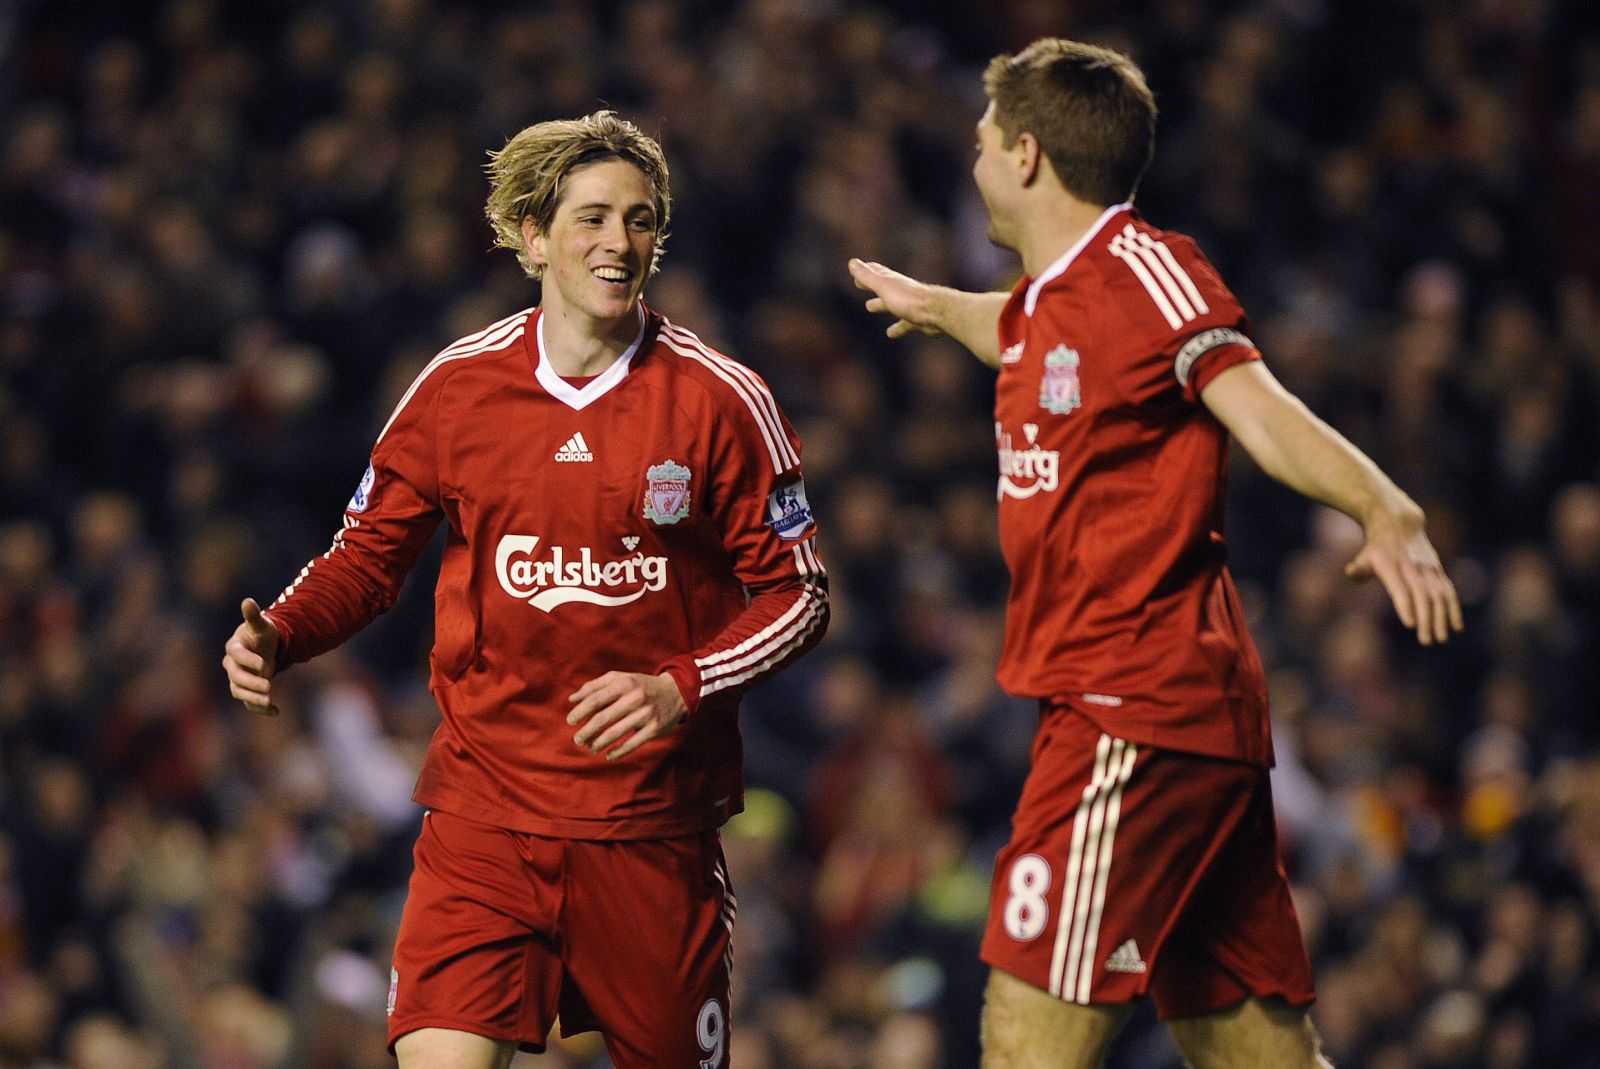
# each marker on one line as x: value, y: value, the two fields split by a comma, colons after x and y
x: 1401, y: 558
x: 897, y: 295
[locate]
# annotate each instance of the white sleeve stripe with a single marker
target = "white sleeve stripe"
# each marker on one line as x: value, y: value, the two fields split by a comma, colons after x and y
x: 769, y: 654
x: 758, y: 388
x: 795, y: 630
x: 338, y: 544
x: 750, y: 378
x: 501, y: 334
x: 292, y: 587
x: 764, y: 405
x: 778, y: 465
x: 477, y: 336
x: 1177, y: 271
x: 505, y: 338
x: 800, y: 632
x: 807, y: 594
x: 807, y: 563
x: 1159, y: 271
x: 755, y: 672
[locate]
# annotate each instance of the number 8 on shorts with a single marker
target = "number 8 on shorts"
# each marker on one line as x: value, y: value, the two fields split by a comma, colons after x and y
x: 1026, y: 910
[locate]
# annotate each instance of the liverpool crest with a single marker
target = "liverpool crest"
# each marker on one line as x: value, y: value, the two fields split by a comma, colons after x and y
x: 666, y: 494
x: 1058, y: 388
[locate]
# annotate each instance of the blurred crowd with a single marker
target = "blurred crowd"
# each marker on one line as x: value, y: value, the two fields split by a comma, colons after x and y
x: 231, y: 233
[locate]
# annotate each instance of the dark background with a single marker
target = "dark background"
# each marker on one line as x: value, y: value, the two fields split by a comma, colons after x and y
x: 231, y: 233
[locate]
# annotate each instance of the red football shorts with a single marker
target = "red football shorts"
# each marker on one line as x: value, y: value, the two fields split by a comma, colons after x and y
x: 502, y: 931
x: 1135, y: 871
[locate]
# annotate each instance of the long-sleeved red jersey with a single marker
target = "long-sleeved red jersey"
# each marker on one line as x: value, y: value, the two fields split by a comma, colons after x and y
x: 651, y: 519
x: 1111, y: 494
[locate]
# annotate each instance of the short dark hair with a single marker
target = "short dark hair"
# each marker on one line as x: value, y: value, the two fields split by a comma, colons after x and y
x: 1089, y: 108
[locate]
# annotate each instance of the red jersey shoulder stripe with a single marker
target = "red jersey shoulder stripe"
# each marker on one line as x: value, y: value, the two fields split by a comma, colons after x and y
x: 492, y: 338
x: 746, y: 383
x: 482, y: 335
x: 1163, y: 278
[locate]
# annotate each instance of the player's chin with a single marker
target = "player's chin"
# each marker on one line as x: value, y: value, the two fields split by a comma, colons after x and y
x: 615, y: 307
x: 616, y: 298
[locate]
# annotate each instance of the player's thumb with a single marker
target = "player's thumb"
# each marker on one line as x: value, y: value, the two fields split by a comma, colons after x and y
x: 253, y: 618
x: 1360, y: 568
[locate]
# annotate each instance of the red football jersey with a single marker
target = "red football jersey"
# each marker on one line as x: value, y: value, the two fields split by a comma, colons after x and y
x: 653, y: 519
x: 1111, y: 494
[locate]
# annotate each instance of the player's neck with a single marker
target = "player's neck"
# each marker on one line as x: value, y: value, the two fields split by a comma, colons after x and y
x: 1054, y: 226
x: 577, y: 344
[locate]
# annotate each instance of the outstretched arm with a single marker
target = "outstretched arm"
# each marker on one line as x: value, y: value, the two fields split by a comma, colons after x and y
x: 970, y: 318
x: 1301, y: 451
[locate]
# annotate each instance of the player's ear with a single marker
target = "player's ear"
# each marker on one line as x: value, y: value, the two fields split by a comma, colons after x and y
x: 1028, y: 157
x: 533, y: 240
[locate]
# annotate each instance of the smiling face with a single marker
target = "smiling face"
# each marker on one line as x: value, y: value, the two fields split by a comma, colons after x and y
x: 602, y: 237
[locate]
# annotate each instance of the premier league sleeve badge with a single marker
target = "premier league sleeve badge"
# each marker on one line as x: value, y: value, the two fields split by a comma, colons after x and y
x: 363, y: 495
x: 788, y: 511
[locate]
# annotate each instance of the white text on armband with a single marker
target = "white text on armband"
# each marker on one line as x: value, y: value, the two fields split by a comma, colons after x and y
x: 1200, y: 345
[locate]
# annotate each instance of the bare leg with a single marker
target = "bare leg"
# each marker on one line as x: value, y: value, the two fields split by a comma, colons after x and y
x: 1026, y: 1028
x: 446, y: 1048
x: 1256, y: 1034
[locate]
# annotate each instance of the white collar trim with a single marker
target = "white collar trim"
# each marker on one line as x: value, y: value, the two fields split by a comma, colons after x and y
x: 581, y: 397
x: 1056, y: 269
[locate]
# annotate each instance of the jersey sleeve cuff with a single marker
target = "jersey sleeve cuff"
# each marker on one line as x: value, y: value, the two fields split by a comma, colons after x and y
x: 1209, y: 354
x: 687, y: 676
x: 285, y: 655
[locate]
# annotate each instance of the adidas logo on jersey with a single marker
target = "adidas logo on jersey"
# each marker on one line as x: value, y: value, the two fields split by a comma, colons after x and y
x: 574, y: 450
x: 1125, y: 959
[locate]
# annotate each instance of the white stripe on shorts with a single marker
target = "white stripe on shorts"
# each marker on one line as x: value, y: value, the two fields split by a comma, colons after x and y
x: 1083, y: 892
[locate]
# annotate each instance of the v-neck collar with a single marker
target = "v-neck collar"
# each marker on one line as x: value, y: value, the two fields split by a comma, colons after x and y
x: 580, y: 397
x: 1055, y: 270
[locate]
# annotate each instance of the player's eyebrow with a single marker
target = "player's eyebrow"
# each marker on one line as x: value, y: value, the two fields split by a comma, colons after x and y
x: 601, y: 205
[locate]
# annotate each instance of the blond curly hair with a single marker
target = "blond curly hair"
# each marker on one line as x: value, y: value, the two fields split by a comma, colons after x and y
x: 526, y: 177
